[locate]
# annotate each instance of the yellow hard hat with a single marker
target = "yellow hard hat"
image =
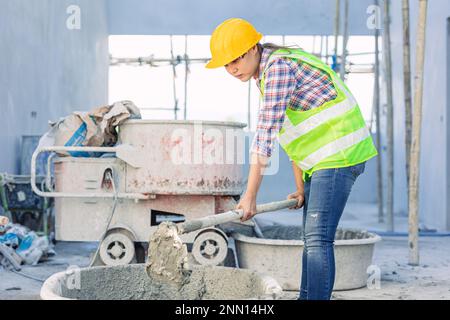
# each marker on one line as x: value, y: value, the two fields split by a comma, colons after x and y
x: 230, y: 40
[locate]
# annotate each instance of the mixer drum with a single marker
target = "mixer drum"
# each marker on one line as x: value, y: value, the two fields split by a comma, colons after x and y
x: 185, y: 157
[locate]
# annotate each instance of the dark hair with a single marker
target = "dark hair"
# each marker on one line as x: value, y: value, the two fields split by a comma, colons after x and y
x: 274, y: 47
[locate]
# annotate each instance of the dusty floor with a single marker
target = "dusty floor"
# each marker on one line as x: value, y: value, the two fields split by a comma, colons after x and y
x: 14, y: 286
x: 399, y: 281
x: 430, y: 280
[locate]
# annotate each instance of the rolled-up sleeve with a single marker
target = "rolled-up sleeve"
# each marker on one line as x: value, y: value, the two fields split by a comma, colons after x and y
x: 278, y: 88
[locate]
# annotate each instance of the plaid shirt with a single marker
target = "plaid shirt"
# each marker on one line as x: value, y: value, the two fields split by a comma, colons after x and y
x: 288, y: 83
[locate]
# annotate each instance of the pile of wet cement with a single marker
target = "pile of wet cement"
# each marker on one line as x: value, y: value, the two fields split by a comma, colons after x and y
x: 131, y: 282
x: 167, y: 255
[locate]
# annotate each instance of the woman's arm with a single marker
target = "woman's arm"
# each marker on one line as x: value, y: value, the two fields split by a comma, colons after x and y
x: 300, y: 193
x: 298, y: 174
x: 279, y: 85
x: 248, y: 201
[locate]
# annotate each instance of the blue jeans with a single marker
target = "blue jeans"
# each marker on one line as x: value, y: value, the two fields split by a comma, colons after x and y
x: 326, y: 194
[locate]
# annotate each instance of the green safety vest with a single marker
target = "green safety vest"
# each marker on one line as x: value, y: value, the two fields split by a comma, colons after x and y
x: 333, y: 135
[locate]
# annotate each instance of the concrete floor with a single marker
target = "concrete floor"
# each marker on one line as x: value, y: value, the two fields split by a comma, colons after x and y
x: 399, y: 281
x: 14, y: 286
x: 429, y: 280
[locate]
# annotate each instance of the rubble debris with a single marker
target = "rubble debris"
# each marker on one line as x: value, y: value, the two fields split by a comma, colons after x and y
x: 3, y: 221
x: 9, y: 259
x: 96, y: 128
x: 19, y: 246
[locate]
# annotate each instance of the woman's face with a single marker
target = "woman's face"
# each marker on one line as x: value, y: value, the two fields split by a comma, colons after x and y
x: 246, y: 66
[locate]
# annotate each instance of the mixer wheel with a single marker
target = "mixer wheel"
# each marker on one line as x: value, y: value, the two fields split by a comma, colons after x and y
x: 117, y: 248
x: 210, y: 248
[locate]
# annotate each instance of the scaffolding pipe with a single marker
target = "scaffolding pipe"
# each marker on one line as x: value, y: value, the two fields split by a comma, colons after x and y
x: 151, y: 61
x: 157, y: 108
x: 186, y: 74
x: 407, y: 86
x: 314, y: 45
x: 321, y: 47
x: 175, y: 110
x: 353, y: 69
x: 249, y: 110
x: 413, y: 221
x: 390, y: 119
x: 355, y: 54
x: 336, y: 29
x: 344, y: 42
x: 378, y: 125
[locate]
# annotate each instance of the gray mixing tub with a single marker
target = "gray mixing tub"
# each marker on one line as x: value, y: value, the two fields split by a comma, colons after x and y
x: 130, y: 282
x: 279, y: 253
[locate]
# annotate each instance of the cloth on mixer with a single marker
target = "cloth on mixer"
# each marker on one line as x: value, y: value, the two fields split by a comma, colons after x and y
x: 96, y: 128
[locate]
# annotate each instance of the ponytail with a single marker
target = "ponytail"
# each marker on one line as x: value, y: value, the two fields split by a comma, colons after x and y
x: 274, y: 47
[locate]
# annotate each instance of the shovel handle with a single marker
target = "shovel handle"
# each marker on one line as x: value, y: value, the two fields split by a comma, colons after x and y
x: 231, y: 215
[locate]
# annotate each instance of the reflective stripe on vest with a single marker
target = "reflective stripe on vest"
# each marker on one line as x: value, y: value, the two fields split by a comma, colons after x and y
x: 334, y: 147
x: 294, y: 132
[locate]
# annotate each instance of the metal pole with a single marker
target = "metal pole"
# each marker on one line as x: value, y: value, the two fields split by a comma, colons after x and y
x: 314, y: 45
x: 186, y: 72
x: 336, y: 29
x: 390, y: 119
x: 344, y: 42
x: 249, y: 114
x: 407, y: 86
x: 413, y: 238
x: 321, y: 47
x: 378, y: 125
x: 151, y: 61
x: 174, y: 81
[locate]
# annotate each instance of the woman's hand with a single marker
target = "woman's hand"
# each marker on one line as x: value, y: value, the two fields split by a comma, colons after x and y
x: 248, y: 205
x: 300, y: 196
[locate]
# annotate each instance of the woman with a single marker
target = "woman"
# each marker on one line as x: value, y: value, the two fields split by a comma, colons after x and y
x: 319, y: 125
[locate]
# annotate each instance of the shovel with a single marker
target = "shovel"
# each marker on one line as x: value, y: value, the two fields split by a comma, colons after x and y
x: 232, y: 215
x: 167, y: 255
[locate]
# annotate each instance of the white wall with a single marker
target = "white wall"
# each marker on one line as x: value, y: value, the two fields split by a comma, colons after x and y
x: 199, y: 17
x: 47, y: 70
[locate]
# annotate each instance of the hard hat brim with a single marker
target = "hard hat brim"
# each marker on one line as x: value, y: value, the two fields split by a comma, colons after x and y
x: 212, y: 64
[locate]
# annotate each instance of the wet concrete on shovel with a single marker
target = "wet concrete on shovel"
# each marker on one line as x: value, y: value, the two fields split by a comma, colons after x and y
x: 167, y: 255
